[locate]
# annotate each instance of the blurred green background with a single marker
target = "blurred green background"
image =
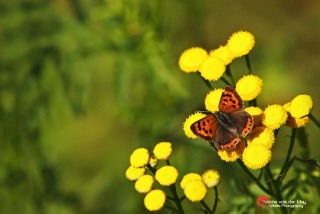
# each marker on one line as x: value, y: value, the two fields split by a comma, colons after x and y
x: 84, y: 83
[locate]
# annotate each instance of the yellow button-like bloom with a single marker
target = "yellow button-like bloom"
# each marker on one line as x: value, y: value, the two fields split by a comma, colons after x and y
x: 223, y: 53
x: 256, y: 157
x: 262, y: 136
x: 212, y: 68
x: 189, y: 121
x: 189, y: 177
x: 240, y: 43
x: 195, y: 190
x: 300, y: 106
x: 212, y: 99
x: 249, y: 87
x: 192, y: 59
x: 162, y: 150
x: 166, y: 175
x: 211, y: 178
x: 133, y: 173
x: 256, y: 114
x: 274, y: 116
x: 153, y: 161
x: 233, y: 154
x: 155, y: 200
x: 140, y: 157
x: 144, y: 184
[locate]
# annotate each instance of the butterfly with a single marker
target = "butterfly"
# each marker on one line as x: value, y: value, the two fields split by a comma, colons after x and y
x: 225, y: 127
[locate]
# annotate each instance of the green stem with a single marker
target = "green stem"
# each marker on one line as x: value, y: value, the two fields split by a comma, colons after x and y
x: 225, y: 81
x: 286, y: 162
x: 153, y: 170
x: 176, y: 198
x: 229, y: 73
x: 205, y: 206
x: 248, y: 63
x: 314, y: 120
x: 247, y: 171
x: 205, y: 81
x: 216, y: 200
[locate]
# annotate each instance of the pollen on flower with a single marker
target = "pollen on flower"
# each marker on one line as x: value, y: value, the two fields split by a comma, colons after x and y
x: 140, y: 157
x: 195, y: 190
x: 223, y: 53
x: 166, y: 175
x: 262, y: 136
x: 133, y: 173
x: 212, y: 100
x: 189, y: 121
x: 240, y: 43
x: 162, y: 150
x: 300, y: 106
x: 155, y: 200
x: 212, y: 68
x: 211, y: 178
x: 256, y: 114
x: 233, y: 154
x: 249, y: 87
x: 144, y: 184
x: 189, y: 177
x: 255, y: 156
x: 192, y: 59
x: 274, y: 116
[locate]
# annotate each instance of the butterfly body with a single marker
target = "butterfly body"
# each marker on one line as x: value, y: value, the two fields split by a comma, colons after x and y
x: 225, y: 127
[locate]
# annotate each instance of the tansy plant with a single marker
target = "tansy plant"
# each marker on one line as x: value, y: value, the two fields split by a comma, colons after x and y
x: 251, y: 150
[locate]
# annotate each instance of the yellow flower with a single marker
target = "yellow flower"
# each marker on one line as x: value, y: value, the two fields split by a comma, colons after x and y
x: 162, y: 150
x: 144, y: 184
x: 262, y: 136
x: 297, y: 122
x: 212, y: 68
x: 249, y: 87
x: 211, y: 178
x: 300, y: 106
x: 192, y: 59
x: 223, y: 53
x: 189, y: 177
x: 140, y: 157
x: 212, y: 100
x: 233, y: 154
x: 195, y: 190
x: 166, y: 175
x: 274, y: 116
x: 189, y: 121
x: 153, y: 161
x: 155, y: 200
x: 256, y: 114
x: 255, y: 156
x: 133, y: 173
x: 240, y: 43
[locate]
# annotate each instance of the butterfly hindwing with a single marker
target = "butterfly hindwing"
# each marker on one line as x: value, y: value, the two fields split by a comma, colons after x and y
x: 205, y: 128
x: 242, y: 121
x: 230, y: 101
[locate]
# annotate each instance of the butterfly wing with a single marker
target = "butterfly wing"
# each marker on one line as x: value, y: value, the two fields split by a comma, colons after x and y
x: 230, y: 101
x: 205, y: 128
x: 242, y: 121
x: 225, y: 138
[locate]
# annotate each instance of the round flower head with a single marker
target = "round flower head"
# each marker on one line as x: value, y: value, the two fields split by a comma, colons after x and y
x: 189, y: 177
x: 162, y: 150
x: 166, y: 175
x: 140, y: 157
x: 153, y: 161
x: 240, y: 43
x: 262, y: 136
x: 223, y: 53
x: 274, y: 116
x: 192, y: 59
x: 211, y: 178
x: 195, y: 190
x: 212, y: 100
x: 212, y: 68
x: 256, y: 114
x: 300, y: 106
x: 133, y: 173
x: 233, y: 154
x: 189, y: 121
x: 144, y: 184
x: 249, y: 87
x: 155, y: 200
x: 256, y: 157
x: 297, y: 122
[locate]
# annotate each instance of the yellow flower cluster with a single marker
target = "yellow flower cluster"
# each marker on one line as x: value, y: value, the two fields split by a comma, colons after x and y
x: 213, y: 65
x: 195, y: 186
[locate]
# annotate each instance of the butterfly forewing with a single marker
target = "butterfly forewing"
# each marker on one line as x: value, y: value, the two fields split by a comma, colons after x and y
x: 205, y: 128
x: 230, y: 101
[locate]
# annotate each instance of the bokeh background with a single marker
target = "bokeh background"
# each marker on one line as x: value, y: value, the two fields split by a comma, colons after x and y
x: 84, y: 83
